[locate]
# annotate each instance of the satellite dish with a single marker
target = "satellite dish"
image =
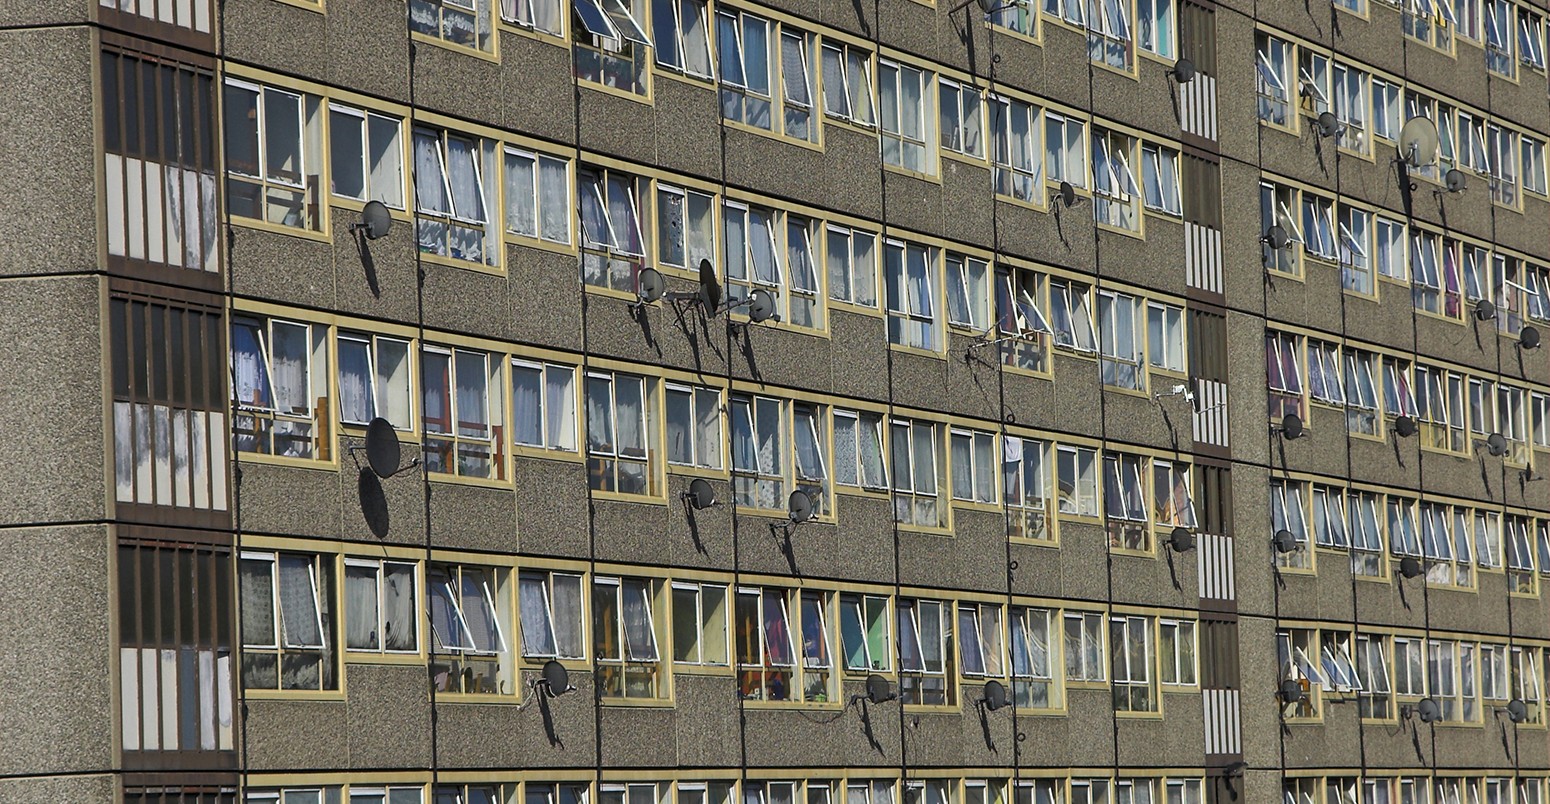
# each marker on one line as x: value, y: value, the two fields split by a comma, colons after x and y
x: 1276, y: 237
x: 1529, y: 338
x: 800, y: 505
x: 710, y: 287
x: 995, y: 695
x: 1484, y: 310
x: 1429, y: 711
x: 1496, y: 444
x: 1066, y: 194
x: 1181, y: 540
x: 1283, y: 541
x: 761, y: 306
x: 878, y: 690
x: 1517, y: 710
x: 1410, y: 566
x: 700, y: 494
x: 1183, y: 71
x: 1418, y: 142
x: 989, y: 6
x: 1404, y: 426
x: 382, y: 452
x: 374, y: 507
x: 375, y: 221
x: 1291, y: 426
x: 1328, y: 125
x: 1291, y: 691
x: 649, y: 285
x: 1455, y: 180
x: 555, y: 678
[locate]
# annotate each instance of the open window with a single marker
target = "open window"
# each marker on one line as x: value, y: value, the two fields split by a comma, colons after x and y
x: 1125, y: 503
x: 621, y: 424
x: 1288, y: 506
x: 376, y: 378
x: 847, y: 83
x: 1071, y: 315
x: 865, y: 634
x: 612, y: 237
x: 682, y: 36
x: 454, y: 180
x: 1034, y: 682
x: 1116, y: 198
x: 279, y: 375
x: 1026, y: 492
x: 911, y: 272
x: 287, y: 621
x: 611, y: 43
x: 925, y: 641
x: 980, y: 640
x: 470, y: 614
x: 624, y: 634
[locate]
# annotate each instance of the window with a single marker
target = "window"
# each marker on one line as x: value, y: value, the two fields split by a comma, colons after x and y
x: 1120, y: 340
x: 1335, y: 658
x: 287, y: 621
x: 1090, y: 791
x: 682, y: 36
x: 1294, y: 647
x: 1184, y: 791
x: 470, y: 612
x: 925, y: 642
x: 852, y: 265
x: 633, y: 793
x: 1398, y: 399
x: 538, y: 793
x: 980, y: 647
x: 1278, y: 207
x: 1389, y: 245
x: 1078, y: 481
x: 858, y: 450
x: 366, y: 155
x: 1173, y: 504
x: 1108, y: 33
x: 700, y: 623
x: 1501, y: 145
x: 968, y: 292
x: 375, y: 380
x: 1444, y: 530
x: 1401, y: 526
x: 1160, y: 176
x: 1019, y: 164
x: 274, y: 155
x: 1155, y: 27
x: 405, y: 794
x: 1318, y: 227
x: 1376, y: 699
x: 1071, y: 316
x: 1531, y: 40
x: 1533, y: 163
x: 612, y: 237
x: 380, y: 614
x: 1116, y: 199
x: 289, y: 795
x: 759, y: 448
x: 1034, y: 685
x: 904, y: 94
x: 1443, y: 677
x: 1409, y: 668
x: 175, y: 647
x: 912, y: 319
x: 1023, y: 327
x: 1441, y: 407
x: 1360, y: 393
x: 1500, y: 22
x: 611, y: 44
x: 756, y: 54
x: 279, y: 372
x: 974, y: 465
x: 624, y: 637
x: 864, y: 632
x: 458, y: 22
x: 847, y: 83
x: 1329, y: 519
x: 1065, y: 149
x: 686, y: 227
x: 543, y: 405
x: 538, y: 196
x: 1084, y: 645
x: 536, y: 15
x: 962, y: 123
x: 1026, y: 490
x: 454, y: 178
x: 1527, y: 685
x: 1539, y: 413
x: 1021, y: 16
x: 1124, y: 497
x: 918, y: 473
x: 1324, y: 382
x: 620, y: 426
x: 462, y: 394
x: 1385, y: 110
x: 1488, y: 539
x: 693, y: 419
x: 1429, y: 21
x: 1274, y: 79
x: 1283, y: 368
x: 1176, y: 647
x: 766, y: 650
x: 1313, y: 82
x: 552, y: 619
x: 1350, y: 107
x: 1288, y: 506
x: 772, y: 251
x: 1354, y: 245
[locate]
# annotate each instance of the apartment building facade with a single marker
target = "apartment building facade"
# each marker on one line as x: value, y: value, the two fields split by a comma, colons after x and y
x: 1118, y: 421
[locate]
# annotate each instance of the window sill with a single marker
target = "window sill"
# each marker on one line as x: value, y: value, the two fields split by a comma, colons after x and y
x: 916, y: 350
x: 625, y: 94
x: 538, y: 244
x: 674, y: 74
x: 282, y: 229
x: 461, y: 480
x: 794, y: 706
x: 484, y: 698
x: 636, y: 703
x: 487, y: 55
x: 545, y: 454
x: 320, y: 696
x: 934, y: 178
x: 708, y: 670
x: 1127, y: 715
x: 776, y: 135
x: 467, y: 265
x: 325, y: 464
x: 967, y: 159
x: 871, y: 311
x: 619, y: 496
x: 416, y: 659
x: 503, y: 26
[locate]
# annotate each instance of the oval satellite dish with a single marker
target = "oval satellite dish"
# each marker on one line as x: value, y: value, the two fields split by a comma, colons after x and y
x: 382, y: 453
x: 1529, y: 338
x: 1455, y: 180
x: 1429, y: 711
x: 800, y: 506
x: 1404, y: 426
x: 1496, y: 444
x: 1067, y: 194
x: 877, y: 689
x: 1277, y: 238
x: 556, y: 677
x: 1485, y: 310
x: 1517, y: 710
x: 1328, y: 125
x: 1291, y: 426
x: 995, y: 695
x: 376, y: 220
x: 700, y: 494
x: 649, y: 285
x: 1284, y: 541
x: 1410, y: 566
x: 710, y: 287
x: 1418, y: 142
x: 761, y: 306
x: 1291, y: 691
x: 1181, y: 540
x: 1183, y: 71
